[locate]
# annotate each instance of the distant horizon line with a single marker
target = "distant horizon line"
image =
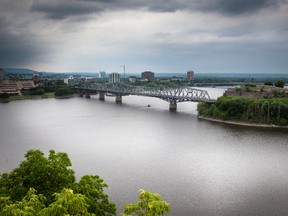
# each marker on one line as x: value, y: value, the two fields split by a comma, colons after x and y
x: 162, y: 72
x: 157, y: 74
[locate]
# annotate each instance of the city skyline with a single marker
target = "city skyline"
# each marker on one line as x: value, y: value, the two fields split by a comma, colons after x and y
x: 221, y: 36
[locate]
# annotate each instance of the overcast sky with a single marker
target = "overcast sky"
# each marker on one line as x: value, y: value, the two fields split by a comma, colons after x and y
x: 207, y: 36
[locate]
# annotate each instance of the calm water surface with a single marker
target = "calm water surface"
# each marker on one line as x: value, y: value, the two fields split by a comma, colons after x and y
x: 200, y: 167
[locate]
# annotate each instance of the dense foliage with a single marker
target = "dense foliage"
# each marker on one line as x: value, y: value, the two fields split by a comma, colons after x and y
x: 34, y: 91
x: 63, y: 91
x: 269, y: 83
x: 268, y: 111
x: 55, y: 184
x: 46, y: 186
x: 4, y: 96
x: 52, y: 86
x: 46, y: 175
x: 150, y: 204
x: 160, y: 84
x: 280, y: 83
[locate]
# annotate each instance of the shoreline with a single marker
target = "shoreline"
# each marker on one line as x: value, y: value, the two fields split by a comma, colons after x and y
x: 35, y: 98
x: 245, y: 124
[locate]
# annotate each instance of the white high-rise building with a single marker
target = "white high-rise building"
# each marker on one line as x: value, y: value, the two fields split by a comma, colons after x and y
x: 114, y: 77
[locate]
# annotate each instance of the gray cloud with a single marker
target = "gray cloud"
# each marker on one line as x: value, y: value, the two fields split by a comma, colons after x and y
x: 234, y: 7
x: 17, y: 51
x: 18, y: 45
x: 70, y: 34
x: 65, y: 8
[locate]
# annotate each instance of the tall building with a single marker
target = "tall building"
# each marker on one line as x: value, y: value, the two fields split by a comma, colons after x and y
x: 190, y: 75
x: 147, y: 75
x: 114, y: 77
x: 70, y: 80
x: 102, y: 74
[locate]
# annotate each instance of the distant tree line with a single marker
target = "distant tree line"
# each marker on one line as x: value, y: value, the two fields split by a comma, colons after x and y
x: 268, y: 111
x: 58, y: 87
x: 278, y: 83
x: 4, y: 96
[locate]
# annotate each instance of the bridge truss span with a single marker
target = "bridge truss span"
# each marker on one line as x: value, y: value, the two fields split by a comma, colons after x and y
x: 177, y: 95
x: 171, y: 95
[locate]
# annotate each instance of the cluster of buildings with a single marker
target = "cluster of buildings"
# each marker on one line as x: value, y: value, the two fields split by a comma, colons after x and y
x: 14, y: 83
x: 145, y: 76
x: 13, y: 87
x: 148, y: 76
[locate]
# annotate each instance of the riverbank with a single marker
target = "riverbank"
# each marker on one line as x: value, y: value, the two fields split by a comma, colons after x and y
x: 246, y: 124
x: 34, y: 97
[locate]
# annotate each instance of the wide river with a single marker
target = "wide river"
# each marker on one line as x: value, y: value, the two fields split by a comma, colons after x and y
x: 200, y: 167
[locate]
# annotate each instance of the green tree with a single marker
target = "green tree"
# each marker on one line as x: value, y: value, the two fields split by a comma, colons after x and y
x: 93, y: 188
x: 268, y: 83
x: 49, y: 176
x: 46, y: 175
x: 30, y: 205
x: 67, y: 203
x: 63, y: 91
x: 4, y: 96
x: 270, y: 111
x: 150, y: 204
x: 280, y: 83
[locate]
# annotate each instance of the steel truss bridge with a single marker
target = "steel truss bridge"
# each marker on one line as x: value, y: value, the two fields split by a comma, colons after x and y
x: 171, y: 95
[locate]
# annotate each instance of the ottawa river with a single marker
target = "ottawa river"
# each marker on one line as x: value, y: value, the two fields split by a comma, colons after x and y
x: 200, y: 167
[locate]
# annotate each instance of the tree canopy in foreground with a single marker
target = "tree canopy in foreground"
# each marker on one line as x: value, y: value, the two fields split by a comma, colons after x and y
x: 47, y: 186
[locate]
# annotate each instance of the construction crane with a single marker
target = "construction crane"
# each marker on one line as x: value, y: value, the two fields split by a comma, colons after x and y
x: 124, y: 67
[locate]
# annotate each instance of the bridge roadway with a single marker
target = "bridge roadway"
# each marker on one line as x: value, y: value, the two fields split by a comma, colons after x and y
x: 171, y: 95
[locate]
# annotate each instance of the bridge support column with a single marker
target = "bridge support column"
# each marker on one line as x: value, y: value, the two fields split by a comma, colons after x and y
x: 87, y: 94
x: 102, y: 96
x: 173, y: 106
x: 81, y: 93
x: 118, y: 98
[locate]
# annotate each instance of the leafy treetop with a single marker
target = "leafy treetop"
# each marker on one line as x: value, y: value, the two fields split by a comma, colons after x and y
x: 150, y: 204
x: 51, y: 177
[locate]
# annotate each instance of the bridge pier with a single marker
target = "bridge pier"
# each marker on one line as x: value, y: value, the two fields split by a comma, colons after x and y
x: 118, y: 98
x: 87, y: 94
x: 173, y: 106
x: 102, y: 96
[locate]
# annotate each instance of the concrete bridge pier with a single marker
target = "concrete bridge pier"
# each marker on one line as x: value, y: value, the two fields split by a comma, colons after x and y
x: 87, y: 94
x: 173, y: 106
x: 102, y: 96
x: 81, y: 93
x: 118, y: 98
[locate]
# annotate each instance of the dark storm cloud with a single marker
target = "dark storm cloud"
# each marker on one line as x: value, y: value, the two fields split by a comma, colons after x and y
x: 65, y: 8
x: 235, y: 7
x: 16, y: 48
